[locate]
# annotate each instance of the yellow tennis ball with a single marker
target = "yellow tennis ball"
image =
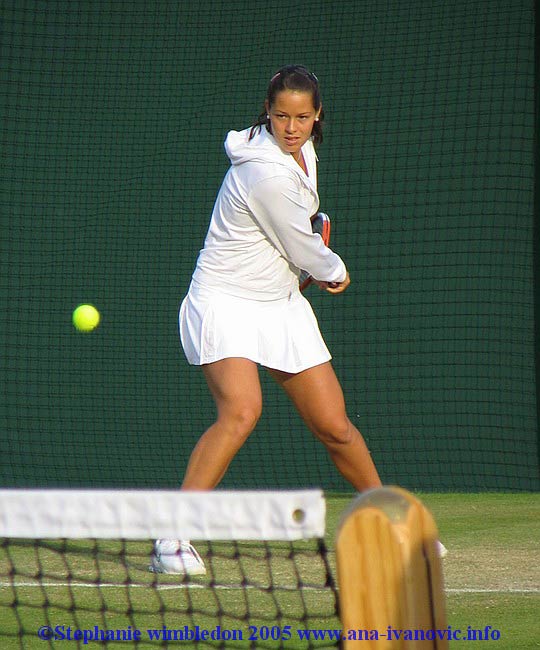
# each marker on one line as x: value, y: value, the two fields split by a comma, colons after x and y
x: 86, y: 318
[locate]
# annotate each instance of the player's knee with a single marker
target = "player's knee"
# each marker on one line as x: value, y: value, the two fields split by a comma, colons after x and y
x: 334, y: 432
x: 242, y: 419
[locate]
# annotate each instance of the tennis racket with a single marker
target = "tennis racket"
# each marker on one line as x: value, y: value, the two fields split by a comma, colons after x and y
x: 320, y: 224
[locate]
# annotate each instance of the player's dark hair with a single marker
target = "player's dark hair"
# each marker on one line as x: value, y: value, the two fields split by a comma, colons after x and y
x: 297, y: 78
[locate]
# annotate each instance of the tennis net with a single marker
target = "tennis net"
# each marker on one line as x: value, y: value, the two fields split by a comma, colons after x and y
x: 74, y: 566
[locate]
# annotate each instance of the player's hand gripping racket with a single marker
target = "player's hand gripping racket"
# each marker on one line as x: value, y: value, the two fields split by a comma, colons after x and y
x: 320, y: 223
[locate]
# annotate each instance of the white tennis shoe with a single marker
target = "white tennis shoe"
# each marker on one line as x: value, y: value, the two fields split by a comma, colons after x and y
x: 442, y: 551
x: 176, y: 556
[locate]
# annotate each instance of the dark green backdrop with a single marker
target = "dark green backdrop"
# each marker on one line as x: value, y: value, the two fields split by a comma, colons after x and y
x: 113, y: 115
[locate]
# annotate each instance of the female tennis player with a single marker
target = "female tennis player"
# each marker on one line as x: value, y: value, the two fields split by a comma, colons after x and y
x: 244, y: 306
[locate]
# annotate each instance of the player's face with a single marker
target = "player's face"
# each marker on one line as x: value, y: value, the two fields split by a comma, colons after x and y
x: 292, y: 116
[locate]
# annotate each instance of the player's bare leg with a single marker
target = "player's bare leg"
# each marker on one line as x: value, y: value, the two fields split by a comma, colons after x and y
x: 234, y: 384
x: 318, y: 397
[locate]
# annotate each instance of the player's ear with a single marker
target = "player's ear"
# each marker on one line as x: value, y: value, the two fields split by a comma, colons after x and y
x: 318, y: 114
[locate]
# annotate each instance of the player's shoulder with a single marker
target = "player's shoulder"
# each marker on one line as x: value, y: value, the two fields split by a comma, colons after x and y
x: 267, y: 173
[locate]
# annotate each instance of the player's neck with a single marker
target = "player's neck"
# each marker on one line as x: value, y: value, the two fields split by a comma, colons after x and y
x: 299, y: 159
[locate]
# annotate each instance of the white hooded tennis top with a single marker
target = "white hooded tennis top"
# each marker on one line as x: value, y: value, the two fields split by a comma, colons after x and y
x: 260, y: 232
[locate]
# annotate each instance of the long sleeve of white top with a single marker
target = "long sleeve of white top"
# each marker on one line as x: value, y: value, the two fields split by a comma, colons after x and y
x: 279, y: 208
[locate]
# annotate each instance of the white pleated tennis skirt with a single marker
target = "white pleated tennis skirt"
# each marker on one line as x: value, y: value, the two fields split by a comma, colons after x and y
x: 280, y: 334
